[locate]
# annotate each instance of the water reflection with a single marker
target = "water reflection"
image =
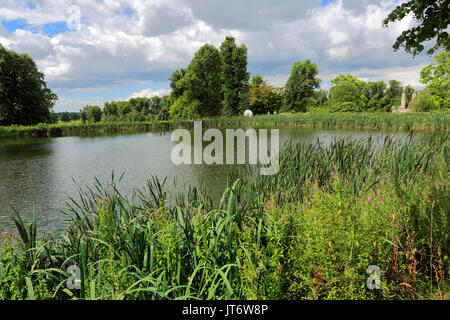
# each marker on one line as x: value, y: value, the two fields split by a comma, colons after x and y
x: 43, y: 170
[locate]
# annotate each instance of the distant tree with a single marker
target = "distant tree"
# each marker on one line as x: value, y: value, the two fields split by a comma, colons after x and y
x: 422, y: 102
x: 409, y: 90
x: 374, y: 92
x: 321, y: 97
x: 93, y: 113
x: 265, y: 98
x: 83, y: 115
x: 437, y: 76
x: 166, y: 102
x: 433, y: 18
x: 110, y: 109
x: 300, y: 86
x: 346, y: 94
x: 24, y: 96
x: 201, y: 85
x: 155, y: 105
x: 393, y: 95
x: 234, y: 75
x: 256, y: 81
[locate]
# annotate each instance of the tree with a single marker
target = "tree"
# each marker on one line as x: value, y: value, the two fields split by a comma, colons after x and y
x: 321, y: 97
x: 300, y: 86
x: 93, y: 113
x: 265, y: 98
x: 393, y: 96
x: 346, y: 94
x: 437, y: 76
x: 422, y: 102
x: 433, y: 17
x: 201, y: 85
x: 409, y: 90
x: 166, y: 102
x: 155, y: 105
x: 24, y: 96
x: 256, y: 81
x: 375, y: 92
x: 234, y: 75
x: 174, y: 78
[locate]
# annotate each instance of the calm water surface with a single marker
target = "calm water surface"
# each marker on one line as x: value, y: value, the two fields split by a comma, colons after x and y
x: 43, y: 171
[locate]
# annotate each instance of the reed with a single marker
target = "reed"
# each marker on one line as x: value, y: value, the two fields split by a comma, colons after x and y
x: 429, y: 121
x: 309, y: 232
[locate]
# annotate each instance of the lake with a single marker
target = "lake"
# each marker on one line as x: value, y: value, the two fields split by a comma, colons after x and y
x: 46, y: 172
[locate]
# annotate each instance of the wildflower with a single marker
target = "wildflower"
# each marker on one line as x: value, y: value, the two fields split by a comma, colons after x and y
x: 369, y: 198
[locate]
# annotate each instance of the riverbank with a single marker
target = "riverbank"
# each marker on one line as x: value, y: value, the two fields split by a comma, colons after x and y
x: 430, y: 121
x: 309, y: 232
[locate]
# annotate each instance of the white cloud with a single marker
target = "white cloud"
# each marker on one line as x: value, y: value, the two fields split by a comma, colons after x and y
x: 123, y: 41
x: 148, y: 93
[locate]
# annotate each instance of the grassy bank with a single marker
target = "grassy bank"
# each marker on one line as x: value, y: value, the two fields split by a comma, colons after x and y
x: 309, y: 232
x: 388, y: 121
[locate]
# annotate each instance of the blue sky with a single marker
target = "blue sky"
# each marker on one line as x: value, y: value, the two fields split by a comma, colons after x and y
x: 95, y: 51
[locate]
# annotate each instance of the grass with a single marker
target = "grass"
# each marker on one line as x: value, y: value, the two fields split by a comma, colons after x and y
x: 309, y: 232
x: 432, y: 121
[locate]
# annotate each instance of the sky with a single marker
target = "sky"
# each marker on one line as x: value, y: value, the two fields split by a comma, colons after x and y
x: 92, y: 51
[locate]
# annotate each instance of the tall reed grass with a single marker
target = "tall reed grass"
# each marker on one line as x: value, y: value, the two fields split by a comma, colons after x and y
x: 309, y: 232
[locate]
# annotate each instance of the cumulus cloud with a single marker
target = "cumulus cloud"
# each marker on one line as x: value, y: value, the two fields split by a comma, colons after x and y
x: 148, y: 93
x: 123, y: 41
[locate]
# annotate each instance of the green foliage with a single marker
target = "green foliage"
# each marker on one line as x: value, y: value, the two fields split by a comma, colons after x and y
x: 437, y: 76
x: 177, y: 91
x: 409, y: 91
x: 346, y: 94
x: 24, y: 96
x: 201, y: 85
x: 234, y: 75
x: 433, y: 19
x: 308, y: 232
x: 93, y: 113
x: 393, y: 94
x: 185, y: 108
x: 264, y: 98
x: 422, y: 102
x: 300, y: 86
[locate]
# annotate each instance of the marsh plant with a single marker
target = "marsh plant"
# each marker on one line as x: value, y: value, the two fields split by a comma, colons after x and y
x: 308, y: 232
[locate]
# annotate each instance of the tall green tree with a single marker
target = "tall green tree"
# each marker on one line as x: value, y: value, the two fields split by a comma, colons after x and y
x: 437, y: 77
x: 374, y: 92
x: 201, y: 86
x: 409, y: 90
x: 393, y: 96
x: 234, y: 75
x: 300, y: 86
x: 433, y: 18
x: 24, y: 96
x: 347, y: 94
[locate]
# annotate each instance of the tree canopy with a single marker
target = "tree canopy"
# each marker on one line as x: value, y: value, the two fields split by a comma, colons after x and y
x: 433, y: 19
x: 437, y: 76
x: 234, y: 75
x: 24, y: 96
x: 300, y: 86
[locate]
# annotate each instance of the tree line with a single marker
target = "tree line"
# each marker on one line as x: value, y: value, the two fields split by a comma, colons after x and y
x: 216, y: 83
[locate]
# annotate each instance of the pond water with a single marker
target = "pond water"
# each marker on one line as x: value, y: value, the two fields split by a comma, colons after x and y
x: 46, y: 172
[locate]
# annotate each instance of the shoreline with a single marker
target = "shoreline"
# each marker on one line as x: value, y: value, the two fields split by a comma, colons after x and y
x: 436, y: 121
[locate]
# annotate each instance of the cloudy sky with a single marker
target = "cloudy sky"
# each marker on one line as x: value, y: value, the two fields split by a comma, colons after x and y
x: 93, y: 51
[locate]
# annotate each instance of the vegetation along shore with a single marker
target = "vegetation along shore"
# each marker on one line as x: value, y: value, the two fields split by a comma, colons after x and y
x: 309, y: 232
